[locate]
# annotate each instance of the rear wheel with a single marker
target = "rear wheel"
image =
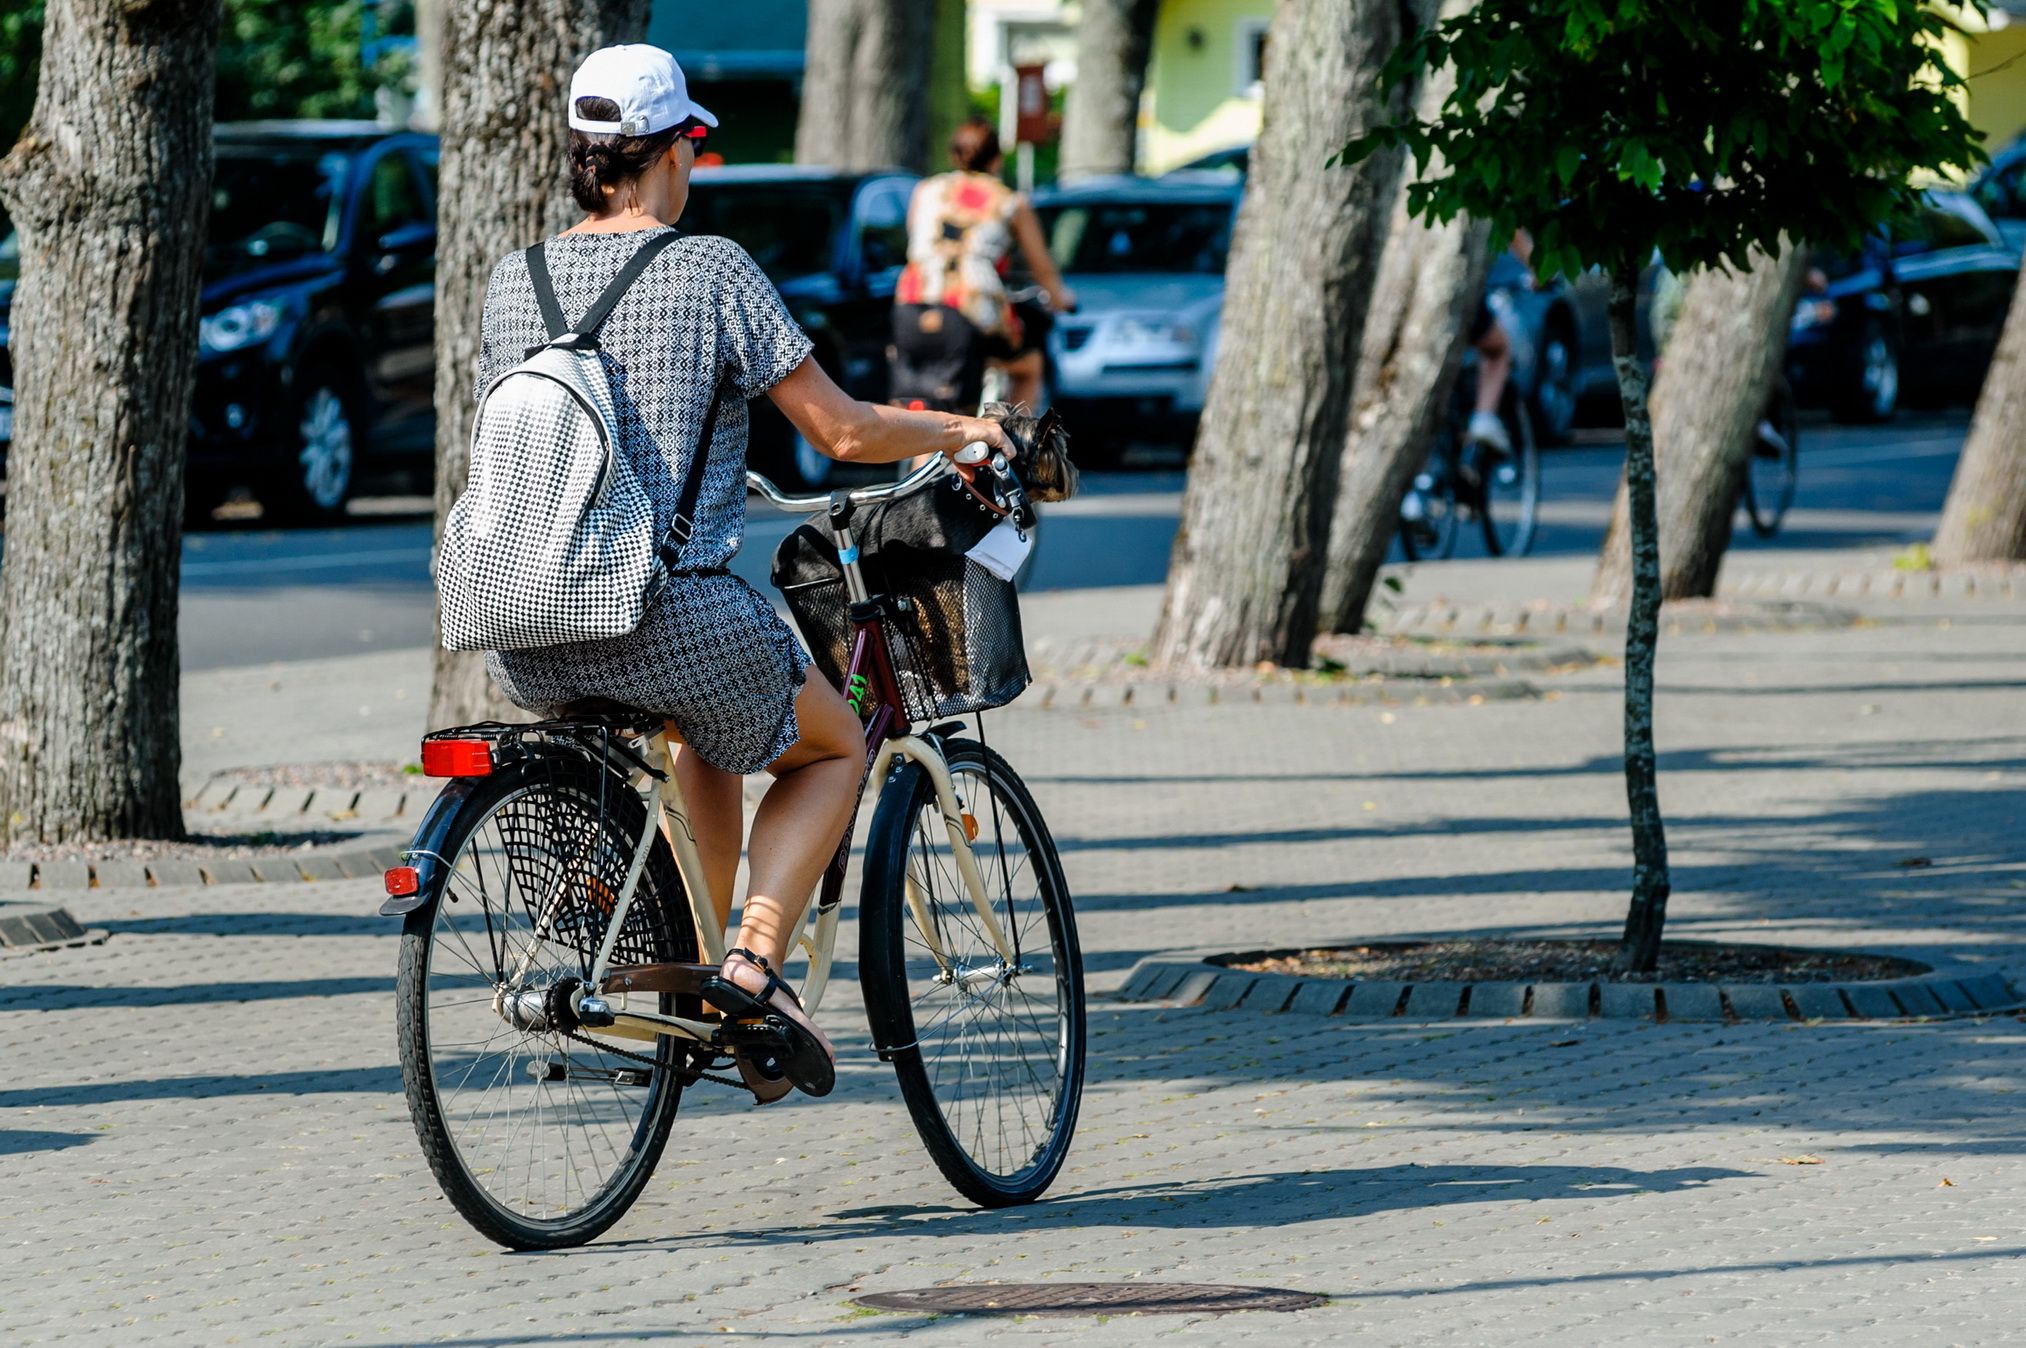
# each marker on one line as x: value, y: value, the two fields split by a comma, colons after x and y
x: 1870, y: 390
x: 1428, y: 513
x: 1511, y: 483
x: 539, y: 1134
x: 1775, y: 464
x: 322, y: 436
x: 989, y: 1051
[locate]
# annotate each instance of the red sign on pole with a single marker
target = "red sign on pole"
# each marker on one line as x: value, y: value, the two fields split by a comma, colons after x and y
x: 1033, y: 125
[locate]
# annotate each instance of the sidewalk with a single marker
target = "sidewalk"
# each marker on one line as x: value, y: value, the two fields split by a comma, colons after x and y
x: 207, y: 1137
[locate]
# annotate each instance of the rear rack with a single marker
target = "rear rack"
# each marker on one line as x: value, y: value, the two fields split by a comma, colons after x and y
x: 604, y: 739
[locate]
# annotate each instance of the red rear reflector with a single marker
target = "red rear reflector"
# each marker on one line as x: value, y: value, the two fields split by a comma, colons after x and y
x: 917, y: 405
x: 456, y: 758
x: 403, y: 881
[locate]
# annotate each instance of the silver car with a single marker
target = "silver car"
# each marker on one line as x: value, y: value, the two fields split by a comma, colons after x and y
x: 1146, y: 260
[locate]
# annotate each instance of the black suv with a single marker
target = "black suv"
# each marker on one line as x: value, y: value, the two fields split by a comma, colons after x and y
x: 316, y: 348
x: 834, y: 244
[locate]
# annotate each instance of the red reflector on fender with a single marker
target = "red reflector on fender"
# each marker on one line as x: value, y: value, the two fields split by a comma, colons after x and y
x: 403, y: 881
x: 456, y: 758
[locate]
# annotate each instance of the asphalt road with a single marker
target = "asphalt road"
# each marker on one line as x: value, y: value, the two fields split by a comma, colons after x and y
x: 252, y: 595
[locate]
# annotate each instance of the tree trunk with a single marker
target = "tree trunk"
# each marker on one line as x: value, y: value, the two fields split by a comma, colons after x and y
x: 110, y: 188
x: 1984, y: 519
x: 1725, y: 352
x: 865, y: 84
x: 1101, y: 117
x: 1245, y: 581
x: 507, y: 67
x: 949, y: 94
x: 1430, y: 280
x: 1650, y: 886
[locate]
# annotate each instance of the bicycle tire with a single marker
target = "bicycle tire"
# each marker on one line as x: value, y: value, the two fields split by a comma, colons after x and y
x: 1430, y: 535
x: 908, y: 842
x: 518, y: 827
x: 1522, y: 512
x: 1769, y: 491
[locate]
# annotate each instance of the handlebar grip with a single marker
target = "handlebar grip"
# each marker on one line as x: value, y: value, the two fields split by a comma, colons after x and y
x: 973, y: 454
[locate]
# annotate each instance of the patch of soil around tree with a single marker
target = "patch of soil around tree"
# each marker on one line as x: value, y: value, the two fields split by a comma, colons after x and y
x: 1496, y: 961
x: 198, y: 847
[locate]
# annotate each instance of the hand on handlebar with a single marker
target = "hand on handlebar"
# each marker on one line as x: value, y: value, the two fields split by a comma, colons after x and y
x: 983, y: 439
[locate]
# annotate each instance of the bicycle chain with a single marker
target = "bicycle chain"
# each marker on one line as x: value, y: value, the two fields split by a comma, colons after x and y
x: 688, y: 1075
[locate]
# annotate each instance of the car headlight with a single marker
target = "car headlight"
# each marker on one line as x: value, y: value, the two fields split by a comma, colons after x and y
x: 1152, y: 330
x: 1814, y: 314
x: 238, y: 326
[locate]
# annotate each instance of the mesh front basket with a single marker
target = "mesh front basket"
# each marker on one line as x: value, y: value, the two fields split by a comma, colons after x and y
x: 954, y: 630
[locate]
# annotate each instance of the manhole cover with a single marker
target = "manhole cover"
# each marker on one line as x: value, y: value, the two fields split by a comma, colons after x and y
x: 1090, y: 1298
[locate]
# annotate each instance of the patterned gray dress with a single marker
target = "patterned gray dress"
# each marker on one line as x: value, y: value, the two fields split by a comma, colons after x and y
x: 711, y: 654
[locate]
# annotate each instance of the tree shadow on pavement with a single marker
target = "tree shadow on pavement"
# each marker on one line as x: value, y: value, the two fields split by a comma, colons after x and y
x: 20, y: 1141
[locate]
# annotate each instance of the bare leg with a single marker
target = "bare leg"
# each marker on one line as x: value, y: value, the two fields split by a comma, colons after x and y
x: 796, y: 831
x: 1494, y: 368
x: 717, y: 815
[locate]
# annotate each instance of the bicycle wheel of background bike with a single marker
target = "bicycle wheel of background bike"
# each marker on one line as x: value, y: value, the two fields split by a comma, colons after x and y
x: 1511, y: 483
x: 989, y: 1055
x: 1775, y: 465
x: 1428, y: 513
x: 539, y: 1139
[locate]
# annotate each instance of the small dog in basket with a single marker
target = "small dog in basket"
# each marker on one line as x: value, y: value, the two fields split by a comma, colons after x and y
x: 1043, y: 461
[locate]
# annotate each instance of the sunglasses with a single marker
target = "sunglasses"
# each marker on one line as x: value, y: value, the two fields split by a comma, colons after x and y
x: 696, y: 134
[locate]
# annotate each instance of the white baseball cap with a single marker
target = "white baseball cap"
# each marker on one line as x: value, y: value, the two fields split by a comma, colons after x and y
x: 644, y: 81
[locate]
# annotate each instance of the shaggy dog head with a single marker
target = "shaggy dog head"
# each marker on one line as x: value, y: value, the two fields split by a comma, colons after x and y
x: 1043, y: 460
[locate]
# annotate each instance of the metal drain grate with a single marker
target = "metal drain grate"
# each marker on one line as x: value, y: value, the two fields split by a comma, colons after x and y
x: 1090, y: 1298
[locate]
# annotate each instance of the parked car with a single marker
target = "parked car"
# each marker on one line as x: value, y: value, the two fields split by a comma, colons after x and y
x: 2001, y: 190
x: 834, y: 244
x: 1914, y: 316
x: 317, y: 335
x: 1146, y: 260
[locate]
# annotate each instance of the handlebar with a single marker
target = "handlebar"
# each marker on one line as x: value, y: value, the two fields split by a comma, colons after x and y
x: 907, y: 486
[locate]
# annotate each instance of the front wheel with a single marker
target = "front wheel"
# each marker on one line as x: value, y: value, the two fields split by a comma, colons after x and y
x: 321, y: 440
x: 1775, y: 464
x: 1510, y: 482
x: 988, y: 1042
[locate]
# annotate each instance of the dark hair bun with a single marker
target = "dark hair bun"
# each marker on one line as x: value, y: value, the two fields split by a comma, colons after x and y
x: 601, y: 164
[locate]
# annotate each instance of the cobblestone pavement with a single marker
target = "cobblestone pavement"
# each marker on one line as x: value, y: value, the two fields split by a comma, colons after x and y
x: 204, y: 1136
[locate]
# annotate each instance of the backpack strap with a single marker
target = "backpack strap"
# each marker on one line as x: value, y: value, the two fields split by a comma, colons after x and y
x: 601, y: 308
x: 683, y: 525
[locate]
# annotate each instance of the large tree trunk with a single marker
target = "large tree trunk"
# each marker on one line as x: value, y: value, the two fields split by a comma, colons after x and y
x: 949, y: 94
x: 1430, y: 280
x: 865, y: 84
x: 1720, y: 364
x: 1647, y: 915
x: 1101, y: 117
x: 507, y: 67
x: 1984, y: 519
x: 110, y: 187
x: 1245, y: 581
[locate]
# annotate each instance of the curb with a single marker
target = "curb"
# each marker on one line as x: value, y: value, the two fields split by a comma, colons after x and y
x: 21, y: 879
x: 1201, y: 978
x: 1476, y: 620
x: 1378, y: 691
x: 30, y: 931
x: 1974, y: 582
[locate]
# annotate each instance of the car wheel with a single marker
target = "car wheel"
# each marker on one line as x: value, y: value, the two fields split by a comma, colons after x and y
x: 1870, y: 391
x: 1554, y: 397
x: 321, y: 440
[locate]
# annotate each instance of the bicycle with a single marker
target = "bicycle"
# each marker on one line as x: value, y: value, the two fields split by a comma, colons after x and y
x: 1772, y: 471
x: 1500, y: 489
x: 543, y: 921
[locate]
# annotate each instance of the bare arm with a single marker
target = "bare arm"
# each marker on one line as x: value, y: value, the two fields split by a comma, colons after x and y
x: 1034, y: 247
x: 858, y: 432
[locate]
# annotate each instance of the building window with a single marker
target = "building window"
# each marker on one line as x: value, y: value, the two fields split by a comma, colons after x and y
x: 1251, y: 45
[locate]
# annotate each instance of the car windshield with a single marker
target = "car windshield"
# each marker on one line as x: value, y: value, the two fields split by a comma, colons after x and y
x: 1188, y: 238
x: 271, y: 203
x: 789, y: 228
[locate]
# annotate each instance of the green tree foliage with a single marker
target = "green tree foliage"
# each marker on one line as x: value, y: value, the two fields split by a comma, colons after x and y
x: 1611, y: 128
x: 276, y: 58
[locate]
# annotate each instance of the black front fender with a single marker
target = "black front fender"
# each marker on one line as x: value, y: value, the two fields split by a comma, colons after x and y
x: 425, y: 850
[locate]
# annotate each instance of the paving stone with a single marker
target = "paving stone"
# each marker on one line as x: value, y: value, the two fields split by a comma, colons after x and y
x: 1319, y: 999
x: 1503, y: 1000
x: 1145, y: 976
x: 122, y: 874
x: 1756, y: 1001
x: 1193, y: 987
x: 1951, y: 995
x: 1434, y: 1001
x: 1561, y: 1001
x: 1872, y: 1001
x: 175, y: 871
x: 1269, y: 994
x: 62, y: 876
x: 1818, y: 1001
x: 1693, y: 1002
x: 14, y: 878
x: 1626, y: 1001
x: 1228, y: 991
x: 1917, y: 1000
x: 1374, y: 1000
x: 1990, y: 992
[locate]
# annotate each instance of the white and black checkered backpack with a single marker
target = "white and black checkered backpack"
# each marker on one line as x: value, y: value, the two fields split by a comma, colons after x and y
x: 553, y: 540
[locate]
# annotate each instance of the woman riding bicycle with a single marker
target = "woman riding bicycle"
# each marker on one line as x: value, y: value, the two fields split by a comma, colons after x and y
x: 951, y: 303
x: 711, y: 657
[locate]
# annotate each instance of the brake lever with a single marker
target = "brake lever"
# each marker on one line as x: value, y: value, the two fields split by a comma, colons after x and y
x: 1017, y: 507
